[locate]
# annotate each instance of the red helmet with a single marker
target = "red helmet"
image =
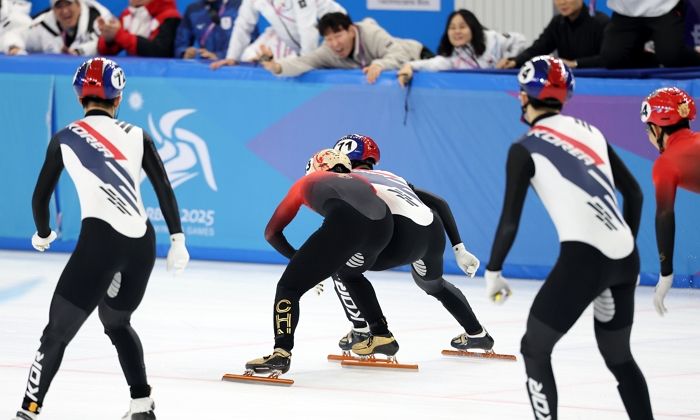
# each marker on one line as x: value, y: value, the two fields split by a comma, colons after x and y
x: 667, y: 106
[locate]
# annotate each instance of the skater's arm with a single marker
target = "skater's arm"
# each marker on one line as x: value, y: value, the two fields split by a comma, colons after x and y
x: 631, y: 192
x: 283, y: 215
x: 519, y: 169
x: 161, y: 185
x: 442, y: 208
x: 665, y: 182
x: 45, y: 184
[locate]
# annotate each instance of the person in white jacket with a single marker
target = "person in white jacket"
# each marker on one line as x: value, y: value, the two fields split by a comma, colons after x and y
x: 466, y: 44
x: 14, y: 15
x: 69, y: 27
x: 292, y: 29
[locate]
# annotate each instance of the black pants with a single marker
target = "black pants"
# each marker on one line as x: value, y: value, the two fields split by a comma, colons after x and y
x: 347, y: 242
x: 108, y: 271
x: 624, y: 39
x: 423, y: 248
x: 582, y: 275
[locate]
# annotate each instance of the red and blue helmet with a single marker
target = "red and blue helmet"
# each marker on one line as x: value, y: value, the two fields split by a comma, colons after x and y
x: 359, y: 148
x: 668, y: 106
x: 99, y: 77
x: 547, y: 79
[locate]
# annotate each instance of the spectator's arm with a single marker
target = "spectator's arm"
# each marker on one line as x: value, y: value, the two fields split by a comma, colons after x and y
x: 544, y: 44
x: 437, y: 63
x: 392, y: 54
x: 159, y: 46
x: 294, y: 66
x: 243, y: 27
x: 15, y: 39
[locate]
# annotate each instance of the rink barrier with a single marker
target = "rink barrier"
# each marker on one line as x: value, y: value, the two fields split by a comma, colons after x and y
x: 234, y: 140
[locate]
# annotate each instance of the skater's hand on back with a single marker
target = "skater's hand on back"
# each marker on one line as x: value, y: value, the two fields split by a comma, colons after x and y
x: 42, y: 244
x: 662, y: 287
x: 466, y: 260
x: 497, y: 288
x: 178, y: 257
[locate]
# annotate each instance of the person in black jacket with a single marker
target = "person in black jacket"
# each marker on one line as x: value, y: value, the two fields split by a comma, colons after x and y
x: 574, y: 33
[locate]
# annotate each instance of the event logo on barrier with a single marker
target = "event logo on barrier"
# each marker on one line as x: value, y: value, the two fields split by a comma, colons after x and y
x: 185, y: 155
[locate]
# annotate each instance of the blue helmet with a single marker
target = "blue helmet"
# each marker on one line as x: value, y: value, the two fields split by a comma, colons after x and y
x: 359, y: 148
x: 99, y: 77
x: 547, y: 79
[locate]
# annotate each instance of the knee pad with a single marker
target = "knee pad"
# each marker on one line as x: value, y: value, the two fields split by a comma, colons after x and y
x: 430, y: 287
x: 539, y: 339
x: 65, y: 319
x: 112, y: 318
x: 614, y: 345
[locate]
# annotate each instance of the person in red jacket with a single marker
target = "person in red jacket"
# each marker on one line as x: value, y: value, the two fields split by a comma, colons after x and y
x: 667, y: 113
x: 146, y: 28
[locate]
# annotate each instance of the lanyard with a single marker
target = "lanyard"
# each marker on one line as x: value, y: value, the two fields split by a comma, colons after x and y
x: 466, y: 55
x: 212, y: 25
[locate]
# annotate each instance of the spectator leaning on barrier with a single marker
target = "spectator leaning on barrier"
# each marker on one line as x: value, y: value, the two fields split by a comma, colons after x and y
x: 292, y: 29
x: 68, y: 27
x: 14, y: 16
x: 635, y: 22
x: 346, y: 45
x: 206, y: 28
x: 575, y: 34
x: 146, y: 28
x: 466, y: 44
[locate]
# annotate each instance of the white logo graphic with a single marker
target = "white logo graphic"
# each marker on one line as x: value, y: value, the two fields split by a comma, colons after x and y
x: 181, y: 149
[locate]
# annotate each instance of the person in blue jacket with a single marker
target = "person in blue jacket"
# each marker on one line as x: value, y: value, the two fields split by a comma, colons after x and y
x: 206, y: 28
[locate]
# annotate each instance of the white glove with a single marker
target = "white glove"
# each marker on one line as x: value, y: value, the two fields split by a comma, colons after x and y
x: 466, y: 260
x: 497, y: 288
x: 319, y: 288
x: 42, y: 244
x: 178, y: 257
x: 662, y: 287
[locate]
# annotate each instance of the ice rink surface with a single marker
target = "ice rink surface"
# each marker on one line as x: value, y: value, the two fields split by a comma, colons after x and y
x: 216, y: 316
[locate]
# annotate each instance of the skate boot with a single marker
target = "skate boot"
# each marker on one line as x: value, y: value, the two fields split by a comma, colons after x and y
x: 25, y: 415
x: 464, y: 342
x: 141, y: 409
x: 280, y: 361
x: 377, y: 344
x: 352, y: 338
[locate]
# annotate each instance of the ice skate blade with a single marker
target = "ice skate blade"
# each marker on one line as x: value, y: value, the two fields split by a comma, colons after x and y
x: 373, y: 362
x: 249, y: 377
x: 482, y: 355
x: 341, y: 357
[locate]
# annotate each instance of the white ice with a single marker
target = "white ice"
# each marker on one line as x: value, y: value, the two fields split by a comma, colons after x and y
x: 216, y: 316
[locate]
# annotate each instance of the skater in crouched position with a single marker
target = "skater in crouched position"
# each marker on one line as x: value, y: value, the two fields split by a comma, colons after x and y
x: 575, y: 173
x: 357, y: 225
x: 420, y: 221
x: 115, y: 253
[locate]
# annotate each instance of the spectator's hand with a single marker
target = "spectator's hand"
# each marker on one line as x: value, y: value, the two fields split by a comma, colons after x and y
x: 571, y: 63
x: 190, y: 53
x: 206, y: 54
x: 466, y: 260
x: 264, y: 54
x: 662, y: 287
x: 405, y: 75
x: 42, y: 244
x: 272, y: 66
x: 14, y: 51
x: 497, y: 288
x: 221, y: 63
x: 505, y: 63
x: 372, y: 71
x: 109, y: 29
x: 178, y: 257
x: 69, y: 51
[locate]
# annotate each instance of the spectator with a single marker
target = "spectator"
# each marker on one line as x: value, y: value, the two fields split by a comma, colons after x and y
x: 575, y: 34
x: 346, y: 45
x: 634, y: 22
x: 14, y: 16
x: 68, y: 27
x: 466, y: 44
x: 292, y: 29
x: 206, y: 28
x: 146, y: 28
